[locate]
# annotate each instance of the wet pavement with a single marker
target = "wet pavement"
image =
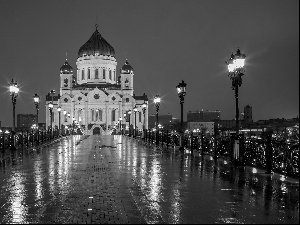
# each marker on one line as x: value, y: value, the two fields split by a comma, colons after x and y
x: 116, y: 179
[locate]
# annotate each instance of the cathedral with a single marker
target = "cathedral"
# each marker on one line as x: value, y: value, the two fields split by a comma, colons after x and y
x: 96, y: 100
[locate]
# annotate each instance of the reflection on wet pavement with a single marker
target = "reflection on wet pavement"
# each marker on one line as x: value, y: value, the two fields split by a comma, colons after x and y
x: 115, y: 179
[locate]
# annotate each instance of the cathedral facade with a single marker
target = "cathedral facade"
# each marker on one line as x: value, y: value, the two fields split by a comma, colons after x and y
x: 95, y: 99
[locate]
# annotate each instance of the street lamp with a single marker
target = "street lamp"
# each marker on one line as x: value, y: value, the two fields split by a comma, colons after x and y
x: 73, y: 124
x: 144, y: 106
x: 135, y: 111
x: 59, y: 109
x: 52, y: 92
x: 65, y: 112
x: 14, y: 90
x: 157, y: 103
x: 50, y: 105
x: 181, y: 89
x: 129, y: 113
x: 120, y: 121
x: 124, y: 128
x: 236, y: 71
x: 36, y: 100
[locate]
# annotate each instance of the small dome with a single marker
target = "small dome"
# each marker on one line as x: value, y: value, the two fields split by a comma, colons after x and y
x: 66, y: 68
x: 127, y: 68
x: 96, y: 44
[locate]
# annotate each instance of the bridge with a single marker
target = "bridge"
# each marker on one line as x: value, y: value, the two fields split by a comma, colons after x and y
x: 121, y: 179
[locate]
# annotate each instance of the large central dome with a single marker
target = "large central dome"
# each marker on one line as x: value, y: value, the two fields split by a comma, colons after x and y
x: 96, y: 44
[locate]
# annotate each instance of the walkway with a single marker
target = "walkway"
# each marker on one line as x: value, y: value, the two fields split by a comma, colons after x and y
x: 115, y: 179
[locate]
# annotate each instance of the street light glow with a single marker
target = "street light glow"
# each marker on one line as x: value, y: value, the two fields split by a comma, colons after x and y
x: 156, y: 99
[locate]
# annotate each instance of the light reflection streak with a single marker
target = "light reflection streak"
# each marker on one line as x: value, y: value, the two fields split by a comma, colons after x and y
x: 51, y: 172
x: 175, y: 205
x: 143, y: 173
x: 155, y: 182
x: 38, y: 181
x: 17, y: 209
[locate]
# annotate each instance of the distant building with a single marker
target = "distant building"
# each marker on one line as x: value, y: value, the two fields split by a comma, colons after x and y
x: 164, y: 120
x: 25, y: 121
x: 207, y: 127
x: 203, y: 116
x: 247, y: 115
x: 228, y: 124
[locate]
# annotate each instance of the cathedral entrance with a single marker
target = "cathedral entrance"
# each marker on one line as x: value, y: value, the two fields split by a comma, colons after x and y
x: 96, y: 131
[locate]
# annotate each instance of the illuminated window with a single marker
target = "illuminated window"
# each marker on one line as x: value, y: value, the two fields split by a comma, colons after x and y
x: 100, y: 115
x: 113, y: 115
x: 82, y: 75
x: 96, y: 74
x: 89, y: 73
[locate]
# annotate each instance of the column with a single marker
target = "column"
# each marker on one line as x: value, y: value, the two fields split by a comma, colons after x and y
x: 86, y: 116
x: 106, y: 114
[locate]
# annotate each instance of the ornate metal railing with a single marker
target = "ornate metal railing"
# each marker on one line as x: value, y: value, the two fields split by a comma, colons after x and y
x: 283, y: 156
x: 28, y: 138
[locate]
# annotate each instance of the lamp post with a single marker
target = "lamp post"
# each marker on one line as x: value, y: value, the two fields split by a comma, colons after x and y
x: 120, y: 121
x: 73, y: 124
x: 236, y: 71
x: 181, y: 89
x: 65, y: 112
x: 124, y: 129
x: 50, y: 105
x: 144, y: 106
x: 52, y: 92
x: 36, y: 100
x: 14, y: 90
x: 59, y: 109
x: 135, y: 111
x: 157, y: 103
x: 129, y: 113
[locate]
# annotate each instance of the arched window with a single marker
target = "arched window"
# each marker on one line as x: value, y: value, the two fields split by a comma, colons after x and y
x: 96, y: 74
x: 113, y: 115
x: 79, y: 115
x: 110, y: 74
x: 97, y: 114
x: 82, y: 74
x: 93, y: 119
x: 100, y: 115
x: 104, y: 74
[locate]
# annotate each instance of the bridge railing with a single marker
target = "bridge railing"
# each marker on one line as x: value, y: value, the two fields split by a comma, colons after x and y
x: 28, y: 138
x: 265, y: 152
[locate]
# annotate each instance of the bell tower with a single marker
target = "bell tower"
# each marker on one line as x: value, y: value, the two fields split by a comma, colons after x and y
x: 66, y: 78
x: 126, y: 79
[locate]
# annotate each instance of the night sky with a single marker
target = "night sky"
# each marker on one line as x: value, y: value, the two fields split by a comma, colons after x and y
x: 165, y: 42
